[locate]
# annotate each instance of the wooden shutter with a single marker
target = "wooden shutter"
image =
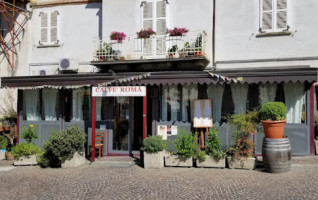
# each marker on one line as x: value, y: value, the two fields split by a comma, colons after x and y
x: 161, y: 17
x: 44, y: 28
x: 53, y: 31
x: 148, y: 10
x: 267, y: 15
x: 281, y: 15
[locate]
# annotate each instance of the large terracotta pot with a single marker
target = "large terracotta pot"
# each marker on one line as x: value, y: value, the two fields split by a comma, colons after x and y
x: 274, y: 129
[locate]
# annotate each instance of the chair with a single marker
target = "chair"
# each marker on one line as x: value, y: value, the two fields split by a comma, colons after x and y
x: 99, y: 143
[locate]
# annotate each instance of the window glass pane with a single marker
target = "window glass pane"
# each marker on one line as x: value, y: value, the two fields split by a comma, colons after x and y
x: 267, y: 5
x: 170, y: 103
x: 50, y: 104
x: 227, y: 103
x: 31, y: 105
x: 239, y: 95
x: 215, y: 92
x: 189, y: 92
x: 267, y: 92
x: 294, y: 93
x: 281, y: 4
x: 281, y: 19
x: 267, y: 21
x: 81, y: 101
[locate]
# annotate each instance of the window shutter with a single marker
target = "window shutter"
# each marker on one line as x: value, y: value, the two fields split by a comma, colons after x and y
x: 161, y: 17
x: 281, y: 14
x: 267, y: 15
x: 148, y: 24
x: 44, y: 28
x: 161, y: 9
x: 148, y: 10
x: 53, y: 32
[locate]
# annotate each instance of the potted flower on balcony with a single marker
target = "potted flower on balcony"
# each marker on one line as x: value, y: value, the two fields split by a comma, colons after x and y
x: 215, y: 154
x: 172, y: 51
x: 273, y: 118
x: 185, y: 149
x: 153, y: 148
x: 119, y: 36
x: 177, y: 31
x: 242, y: 146
x: 145, y: 33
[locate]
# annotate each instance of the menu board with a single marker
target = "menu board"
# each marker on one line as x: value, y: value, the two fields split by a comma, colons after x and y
x: 202, y: 110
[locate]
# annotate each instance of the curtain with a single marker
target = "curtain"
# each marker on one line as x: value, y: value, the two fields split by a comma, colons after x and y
x: 31, y: 98
x: 294, y: 100
x: 174, y: 102
x: 215, y: 92
x: 189, y: 92
x: 98, y: 108
x: 78, y: 98
x: 49, y: 100
x: 164, y: 109
x: 267, y: 92
x: 239, y: 94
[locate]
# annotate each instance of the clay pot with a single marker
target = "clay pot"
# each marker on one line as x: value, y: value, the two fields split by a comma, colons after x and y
x: 198, y: 53
x: 274, y: 129
x: 170, y: 55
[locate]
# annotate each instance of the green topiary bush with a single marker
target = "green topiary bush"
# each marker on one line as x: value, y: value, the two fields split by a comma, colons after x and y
x: 185, y: 145
x: 153, y: 144
x: 273, y: 111
x: 214, y: 148
x: 25, y: 149
x: 62, y: 145
x: 3, y: 142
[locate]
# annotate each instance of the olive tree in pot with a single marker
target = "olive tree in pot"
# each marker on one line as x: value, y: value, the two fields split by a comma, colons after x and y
x: 241, y: 150
x: 185, y: 148
x: 153, y: 148
x: 273, y: 118
x: 215, y: 153
x: 27, y: 153
x: 3, y: 147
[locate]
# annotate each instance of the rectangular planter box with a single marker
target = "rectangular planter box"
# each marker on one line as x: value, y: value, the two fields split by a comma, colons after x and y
x: 211, y: 162
x: 316, y: 143
x: 77, y: 160
x: 2, y: 154
x: 154, y: 160
x: 241, y: 163
x: 178, y: 161
x: 26, y: 160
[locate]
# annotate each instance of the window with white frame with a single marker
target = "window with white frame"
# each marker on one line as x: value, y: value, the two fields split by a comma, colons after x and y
x: 155, y: 17
x: 49, y: 28
x: 274, y: 16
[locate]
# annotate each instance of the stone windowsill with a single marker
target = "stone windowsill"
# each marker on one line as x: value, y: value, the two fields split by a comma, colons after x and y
x: 48, y: 45
x: 271, y: 34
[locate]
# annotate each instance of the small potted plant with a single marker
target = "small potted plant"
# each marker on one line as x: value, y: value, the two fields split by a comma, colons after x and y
x: 198, y: 45
x: 145, y: 33
x: 242, y: 145
x: 3, y: 147
x: 172, y: 51
x: 185, y: 148
x: 273, y: 118
x: 119, y: 36
x: 6, y: 125
x: 153, y: 148
x: 215, y: 154
x: 177, y: 31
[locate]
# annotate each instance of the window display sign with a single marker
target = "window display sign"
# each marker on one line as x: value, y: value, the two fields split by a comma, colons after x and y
x: 120, y: 91
x: 202, y: 109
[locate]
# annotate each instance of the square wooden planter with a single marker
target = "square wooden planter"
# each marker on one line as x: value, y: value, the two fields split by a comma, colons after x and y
x: 241, y: 163
x: 154, y: 160
x: 178, y: 161
x: 211, y: 162
x: 26, y: 160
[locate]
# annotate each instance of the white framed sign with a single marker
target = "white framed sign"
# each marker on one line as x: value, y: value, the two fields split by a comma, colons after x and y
x: 202, y: 109
x: 119, y: 91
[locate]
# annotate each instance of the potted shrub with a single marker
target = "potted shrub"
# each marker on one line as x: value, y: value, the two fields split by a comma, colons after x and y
x: 172, y: 51
x: 273, y: 118
x: 185, y: 149
x: 65, y: 148
x: 119, y: 36
x: 3, y: 147
x: 215, y: 154
x: 27, y: 153
x: 177, y: 31
x: 185, y: 50
x: 242, y: 146
x: 154, y: 147
x: 145, y: 33
x: 6, y: 125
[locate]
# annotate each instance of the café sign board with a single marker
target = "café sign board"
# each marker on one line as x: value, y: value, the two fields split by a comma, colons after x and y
x: 119, y: 91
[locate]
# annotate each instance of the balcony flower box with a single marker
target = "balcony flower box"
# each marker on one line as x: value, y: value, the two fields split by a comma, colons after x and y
x: 145, y: 33
x: 119, y: 36
x: 177, y: 31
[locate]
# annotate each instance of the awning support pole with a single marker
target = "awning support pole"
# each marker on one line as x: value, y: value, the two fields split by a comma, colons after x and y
x: 145, y: 116
x: 311, y: 119
x: 93, y: 128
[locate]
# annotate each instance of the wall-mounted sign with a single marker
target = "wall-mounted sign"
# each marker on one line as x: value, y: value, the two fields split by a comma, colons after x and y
x: 120, y: 91
x: 202, y: 109
x: 162, y: 131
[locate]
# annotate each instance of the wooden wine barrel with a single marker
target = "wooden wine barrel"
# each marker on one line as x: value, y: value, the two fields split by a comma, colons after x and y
x: 276, y: 155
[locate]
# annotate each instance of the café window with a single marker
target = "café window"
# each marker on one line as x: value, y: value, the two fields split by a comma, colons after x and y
x: 81, y: 104
x: 171, y: 103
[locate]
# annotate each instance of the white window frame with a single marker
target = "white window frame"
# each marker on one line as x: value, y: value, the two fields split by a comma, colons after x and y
x: 274, y: 16
x: 48, y: 42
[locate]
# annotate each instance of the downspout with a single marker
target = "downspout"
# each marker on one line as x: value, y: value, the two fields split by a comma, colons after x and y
x: 213, y: 36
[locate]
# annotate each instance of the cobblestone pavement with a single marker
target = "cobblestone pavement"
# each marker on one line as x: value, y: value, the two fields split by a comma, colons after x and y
x: 104, y: 182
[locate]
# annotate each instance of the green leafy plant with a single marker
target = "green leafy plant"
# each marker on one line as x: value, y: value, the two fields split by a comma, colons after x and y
x: 25, y: 149
x: 200, y: 155
x: 3, y: 142
x: 214, y: 148
x: 153, y: 144
x: 273, y: 111
x: 185, y: 145
x: 245, y: 125
x: 173, y: 49
x: 29, y: 133
x: 62, y: 145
